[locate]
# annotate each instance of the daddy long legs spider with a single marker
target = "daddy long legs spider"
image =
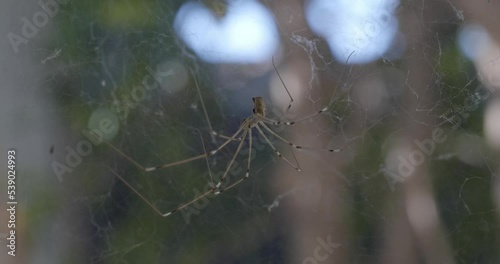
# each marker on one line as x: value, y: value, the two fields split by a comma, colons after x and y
x: 258, y: 121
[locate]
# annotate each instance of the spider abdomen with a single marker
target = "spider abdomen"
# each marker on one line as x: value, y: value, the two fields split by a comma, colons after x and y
x: 259, y: 106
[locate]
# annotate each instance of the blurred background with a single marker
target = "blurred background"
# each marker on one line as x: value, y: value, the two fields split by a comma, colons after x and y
x: 412, y: 94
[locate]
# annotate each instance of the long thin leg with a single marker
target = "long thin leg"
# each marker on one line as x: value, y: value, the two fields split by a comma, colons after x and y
x: 222, y: 179
x: 296, y: 146
x: 276, y: 151
x: 286, y: 89
x: 208, y: 164
x: 278, y: 122
x: 212, y: 190
x: 136, y: 192
x: 156, y: 208
x: 249, y: 161
x: 212, y: 132
x: 149, y: 169
x: 205, y: 112
x: 152, y: 205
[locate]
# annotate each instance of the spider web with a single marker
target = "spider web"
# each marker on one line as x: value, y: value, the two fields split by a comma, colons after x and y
x: 122, y: 69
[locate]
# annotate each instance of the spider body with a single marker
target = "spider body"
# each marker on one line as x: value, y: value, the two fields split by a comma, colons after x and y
x: 259, y: 106
x: 258, y: 111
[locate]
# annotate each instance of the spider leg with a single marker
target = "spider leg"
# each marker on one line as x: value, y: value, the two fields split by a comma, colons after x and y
x: 222, y: 179
x: 179, y: 207
x: 297, y: 146
x: 212, y: 190
x: 286, y: 89
x: 152, y: 205
x: 205, y: 112
x: 158, y: 167
x: 279, y: 123
x: 249, y: 161
x: 276, y: 151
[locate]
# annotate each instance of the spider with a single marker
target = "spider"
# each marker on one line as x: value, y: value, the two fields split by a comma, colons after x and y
x: 257, y: 120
